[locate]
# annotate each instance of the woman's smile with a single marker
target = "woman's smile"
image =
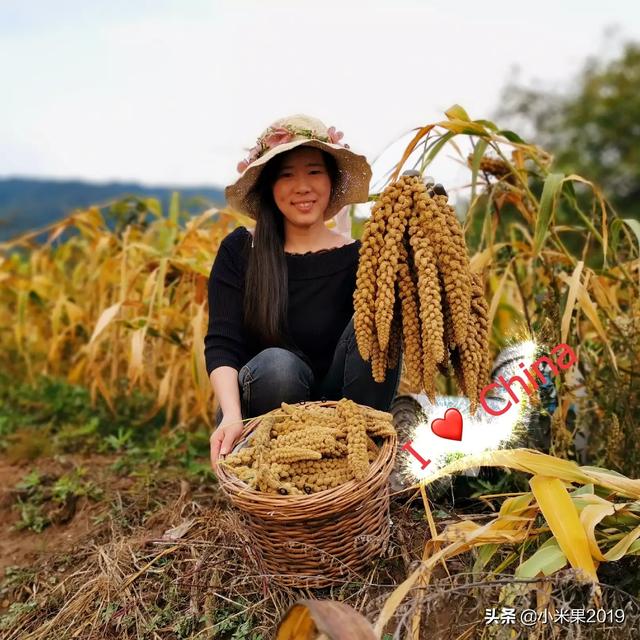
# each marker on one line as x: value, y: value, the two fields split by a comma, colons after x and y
x: 305, y: 205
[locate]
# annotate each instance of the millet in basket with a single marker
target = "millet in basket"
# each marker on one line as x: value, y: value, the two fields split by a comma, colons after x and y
x: 303, y: 449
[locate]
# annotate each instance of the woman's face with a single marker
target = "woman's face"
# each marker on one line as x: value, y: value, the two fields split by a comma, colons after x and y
x: 302, y: 188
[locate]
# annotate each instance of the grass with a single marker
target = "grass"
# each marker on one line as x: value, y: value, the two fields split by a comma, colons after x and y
x: 54, y: 418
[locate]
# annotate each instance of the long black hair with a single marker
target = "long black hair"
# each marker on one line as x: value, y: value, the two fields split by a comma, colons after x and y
x: 266, y: 283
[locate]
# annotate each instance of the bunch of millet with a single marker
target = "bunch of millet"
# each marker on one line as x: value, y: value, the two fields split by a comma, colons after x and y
x: 308, y: 448
x: 493, y: 166
x: 415, y: 292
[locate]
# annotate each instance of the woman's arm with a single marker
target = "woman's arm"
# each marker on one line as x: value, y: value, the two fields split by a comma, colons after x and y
x: 224, y: 344
x: 224, y: 381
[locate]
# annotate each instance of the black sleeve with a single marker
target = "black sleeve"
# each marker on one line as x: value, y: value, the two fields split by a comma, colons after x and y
x: 224, y: 344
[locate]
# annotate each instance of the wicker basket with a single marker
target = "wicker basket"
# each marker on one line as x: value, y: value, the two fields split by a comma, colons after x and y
x: 322, y: 538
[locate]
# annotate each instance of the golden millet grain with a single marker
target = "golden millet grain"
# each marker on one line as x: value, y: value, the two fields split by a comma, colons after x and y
x: 395, y: 340
x: 244, y: 456
x: 493, y: 166
x: 366, y: 287
x: 480, y: 317
x: 388, y: 262
x: 378, y: 362
x: 293, y: 454
x: 411, y: 340
x: 414, y: 253
x: 356, y: 437
x: 453, y: 263
x: 329, y: 445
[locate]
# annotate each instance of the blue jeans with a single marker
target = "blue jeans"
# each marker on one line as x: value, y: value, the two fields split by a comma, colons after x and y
x: 277, y: 375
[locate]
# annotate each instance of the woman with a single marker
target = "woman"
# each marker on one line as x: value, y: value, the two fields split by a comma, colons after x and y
x: 281, y: 298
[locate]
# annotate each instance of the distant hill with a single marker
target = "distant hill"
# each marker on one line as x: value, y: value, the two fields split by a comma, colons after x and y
x: 27, y: 203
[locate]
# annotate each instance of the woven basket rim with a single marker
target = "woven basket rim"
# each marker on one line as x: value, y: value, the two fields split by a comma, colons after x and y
x: 379, y: 471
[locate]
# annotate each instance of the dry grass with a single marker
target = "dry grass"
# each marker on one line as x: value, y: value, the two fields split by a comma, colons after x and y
x: 185, y: 568
x: 189, y: 566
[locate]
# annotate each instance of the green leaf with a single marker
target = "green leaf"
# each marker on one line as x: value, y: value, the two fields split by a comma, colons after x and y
x: 511, y: 136
x: 456, y: 112
x: 488, y: 124
x: 485, y: 553
x: 478, y: 152
x: 168, y: 233
x: 475, y: 129
x: 31, y: 480
x: 634, y: 548
x: 154, y: 206
x: 435, y: 149
x: 609, y: 472
x: 586, y: 489
x: 548, y: 559
x: 174, y: 207
x: 616, y: 229
x: 547, y: 208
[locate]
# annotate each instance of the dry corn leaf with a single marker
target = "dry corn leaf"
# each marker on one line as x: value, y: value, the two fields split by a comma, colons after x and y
x: 421, y: 132
x: 502, y: 531
x: 423, y: 572
x: 482, y: 260
x: 574, y: 285
x: 564, y: 522
x: 604, y: 294
x: 77, y: 372
x: 589, y: 309
x: 163, y: 387
x: 136, y: 357
x: 103, y: 321
x: 75, y: 312
x: 336, y: 620
x: 537, y: 463
x: 495, y: 300
x: 590, y: 516
x: 616, y: 552
x: 604, y: 238
x: 198, y: 365
x: 56, y: 314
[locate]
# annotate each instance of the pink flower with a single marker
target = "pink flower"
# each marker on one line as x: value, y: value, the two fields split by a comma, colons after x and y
x: 334, y: 136
x: 277, y: 136
x: 254, y: 153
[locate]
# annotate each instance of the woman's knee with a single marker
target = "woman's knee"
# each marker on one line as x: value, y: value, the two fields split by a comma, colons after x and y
x: 360, y: 386
x: 279, y: 369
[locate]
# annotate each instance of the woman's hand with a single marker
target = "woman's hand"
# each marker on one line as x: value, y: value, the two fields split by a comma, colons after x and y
x: 224, y: 437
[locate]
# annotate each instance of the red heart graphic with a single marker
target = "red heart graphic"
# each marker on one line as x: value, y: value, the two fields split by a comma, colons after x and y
x: 449, y: 427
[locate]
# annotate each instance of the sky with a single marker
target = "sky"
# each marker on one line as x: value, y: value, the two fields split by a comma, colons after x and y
x: 174, y: 92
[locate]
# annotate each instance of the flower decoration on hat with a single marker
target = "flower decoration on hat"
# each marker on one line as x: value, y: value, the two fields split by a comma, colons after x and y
x: 335, y: 136
x: 275, y: 136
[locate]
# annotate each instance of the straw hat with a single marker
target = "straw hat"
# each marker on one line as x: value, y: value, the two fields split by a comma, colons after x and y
x: 354, y: 172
